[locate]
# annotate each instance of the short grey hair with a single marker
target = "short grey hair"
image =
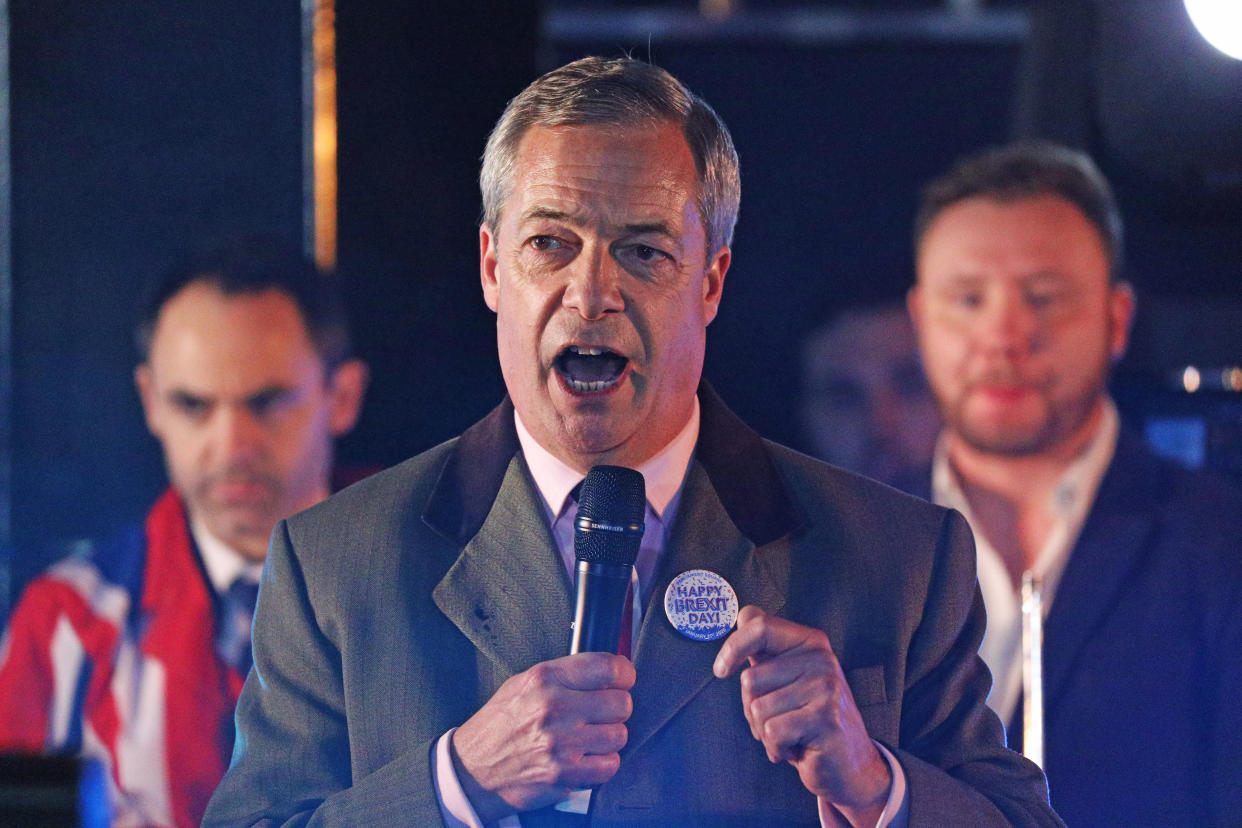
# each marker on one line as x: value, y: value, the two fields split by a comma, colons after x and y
x: 1025, y: 170
x: 620, y: 92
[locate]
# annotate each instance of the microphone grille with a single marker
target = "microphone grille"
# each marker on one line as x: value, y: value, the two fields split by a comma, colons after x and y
x: 617, y: 497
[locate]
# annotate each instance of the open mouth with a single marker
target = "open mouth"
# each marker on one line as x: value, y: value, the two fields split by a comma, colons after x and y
x: 586, y: 369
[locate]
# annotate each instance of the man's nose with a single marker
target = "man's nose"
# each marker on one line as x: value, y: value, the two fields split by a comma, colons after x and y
x: 594, y: 287
x: 1008, y: 326
x: 238, y: 433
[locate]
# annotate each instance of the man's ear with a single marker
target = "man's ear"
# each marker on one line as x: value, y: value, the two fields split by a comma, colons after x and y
x: 345, y: 392
x: 713, y: 282
x: 914, y: 306
x: 1121, y: 304
x: 144, y: 381
x: 487, y: 266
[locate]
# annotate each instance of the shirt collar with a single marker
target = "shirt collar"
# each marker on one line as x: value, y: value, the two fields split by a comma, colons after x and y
x: 1081, y: 480
x: 1071, y: 496
x: 662, y: 474
x: 224, y: 565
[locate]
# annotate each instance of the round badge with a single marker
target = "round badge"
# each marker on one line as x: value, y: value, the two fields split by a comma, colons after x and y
x: 701, y: 605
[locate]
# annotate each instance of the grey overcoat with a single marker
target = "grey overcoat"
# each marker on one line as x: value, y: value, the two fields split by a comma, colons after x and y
x: 393, y: 611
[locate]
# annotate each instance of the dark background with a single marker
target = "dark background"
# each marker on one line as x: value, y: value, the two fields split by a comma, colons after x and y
x: 137, y: 128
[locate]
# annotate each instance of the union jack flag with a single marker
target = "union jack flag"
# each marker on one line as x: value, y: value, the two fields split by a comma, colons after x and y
x: 113, y: 656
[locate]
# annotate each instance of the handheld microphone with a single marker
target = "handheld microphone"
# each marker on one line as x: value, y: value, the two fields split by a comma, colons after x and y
x: 607, y: 534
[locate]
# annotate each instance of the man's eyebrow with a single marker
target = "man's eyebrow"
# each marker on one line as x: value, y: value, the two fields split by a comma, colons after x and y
x: 635, y: 229
x: 269, y: 393
x: 658, y: 227
x: 552, y: 215
x: 182, y: 398
x: 1046, y: 275
x: 962, y: 279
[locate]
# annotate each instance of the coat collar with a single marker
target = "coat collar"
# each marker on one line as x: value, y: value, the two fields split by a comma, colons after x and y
x: 1114, y: 542
x: 733, y: 455
x: 508, y: 591
x: 472, y: 476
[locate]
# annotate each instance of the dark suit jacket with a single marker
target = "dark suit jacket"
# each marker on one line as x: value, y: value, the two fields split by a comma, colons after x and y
x: 393, y: 611
x: 1143, y: 652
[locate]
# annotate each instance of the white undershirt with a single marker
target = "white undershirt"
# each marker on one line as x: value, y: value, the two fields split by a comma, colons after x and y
x: 1072, y: 497
x: 224, y: 564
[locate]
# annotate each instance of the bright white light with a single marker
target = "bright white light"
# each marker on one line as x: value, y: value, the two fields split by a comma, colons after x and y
x: 1220, y: 23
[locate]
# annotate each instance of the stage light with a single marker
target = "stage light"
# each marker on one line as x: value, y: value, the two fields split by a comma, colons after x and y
x: 1220, y: 23
x: 1191, y: 380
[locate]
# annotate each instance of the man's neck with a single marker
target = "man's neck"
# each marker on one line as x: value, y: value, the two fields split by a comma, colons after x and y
x: 317, y: 495
x: 645, y: 442
x: 663, y: 471
x: 223, y: 563
x: 1025, y: 478
x: 1010, y: 496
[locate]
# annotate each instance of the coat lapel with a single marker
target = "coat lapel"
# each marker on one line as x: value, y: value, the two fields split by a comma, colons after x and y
x: 673, y: 669
x: 508, y: 591
x: 1113, y: 542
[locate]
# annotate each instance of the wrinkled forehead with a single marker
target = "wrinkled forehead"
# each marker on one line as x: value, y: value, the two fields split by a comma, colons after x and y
x: 639, y: 154
x: 592, y: 173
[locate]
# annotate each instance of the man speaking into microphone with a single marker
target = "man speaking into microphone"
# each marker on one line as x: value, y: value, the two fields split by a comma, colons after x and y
x: 411, y: 633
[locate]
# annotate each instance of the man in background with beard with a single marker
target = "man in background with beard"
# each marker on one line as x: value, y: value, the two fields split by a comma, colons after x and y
x: 134, y: 655
x: 1137, y: 563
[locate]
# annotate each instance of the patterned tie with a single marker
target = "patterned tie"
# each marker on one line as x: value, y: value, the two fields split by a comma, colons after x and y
x: 237, y: 613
